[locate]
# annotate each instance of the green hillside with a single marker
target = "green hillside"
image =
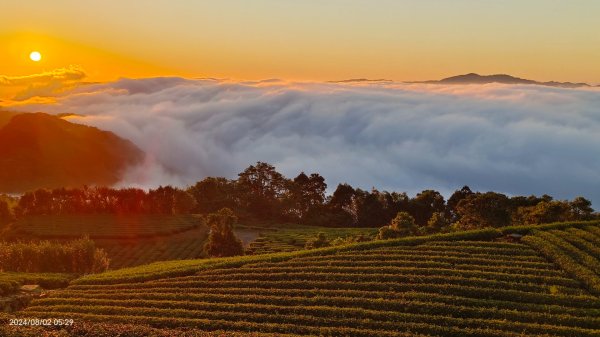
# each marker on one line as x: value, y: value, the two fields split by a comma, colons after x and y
x: 461, y: 284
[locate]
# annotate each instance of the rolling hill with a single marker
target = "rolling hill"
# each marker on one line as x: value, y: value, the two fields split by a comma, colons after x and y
x: 475, y: 283
x: 44, y: 151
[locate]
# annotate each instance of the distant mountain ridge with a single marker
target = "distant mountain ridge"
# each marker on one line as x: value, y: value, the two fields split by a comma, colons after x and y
x: 361, y: 80
x: 473, y: 78
x: 39, y: 150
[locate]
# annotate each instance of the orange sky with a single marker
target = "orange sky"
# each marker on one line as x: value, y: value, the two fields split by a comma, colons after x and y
x: 304, y: 40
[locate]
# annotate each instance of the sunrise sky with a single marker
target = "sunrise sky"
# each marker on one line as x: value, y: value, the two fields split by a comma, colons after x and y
x: 303, y: 40
x: 193, y: 84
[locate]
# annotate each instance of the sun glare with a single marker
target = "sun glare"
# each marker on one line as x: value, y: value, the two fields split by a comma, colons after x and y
x: 35, y: 56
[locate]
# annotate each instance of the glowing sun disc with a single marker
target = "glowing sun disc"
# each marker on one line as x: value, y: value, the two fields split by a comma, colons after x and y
x: 35, y: 56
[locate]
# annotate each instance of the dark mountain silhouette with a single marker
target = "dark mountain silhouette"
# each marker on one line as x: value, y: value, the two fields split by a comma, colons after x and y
x: 5, y: 117
x: 359, y: 80
x: 38, y: 150
x: 473, y: 78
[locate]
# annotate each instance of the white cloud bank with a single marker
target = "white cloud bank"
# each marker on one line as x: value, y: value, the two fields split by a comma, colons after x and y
x: 514, y: 139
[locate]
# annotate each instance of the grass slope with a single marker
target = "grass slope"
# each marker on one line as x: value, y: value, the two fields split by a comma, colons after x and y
x: 459, y: 284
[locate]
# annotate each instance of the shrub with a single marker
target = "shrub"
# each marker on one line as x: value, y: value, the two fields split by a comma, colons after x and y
x: 402, y: 225
x: 319, y: 241
x: 78, y: 256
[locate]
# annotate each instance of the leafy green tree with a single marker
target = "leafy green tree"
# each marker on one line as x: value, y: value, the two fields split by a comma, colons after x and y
x: 402, y: 225
x: 437, y: 223
x: 543, y: 212
x: 582, y: 208
x: 221, y: 239
x: 482, y: 210
x: 453, y: 201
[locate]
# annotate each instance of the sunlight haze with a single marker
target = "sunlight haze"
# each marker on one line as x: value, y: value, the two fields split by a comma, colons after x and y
x: 307, y: 40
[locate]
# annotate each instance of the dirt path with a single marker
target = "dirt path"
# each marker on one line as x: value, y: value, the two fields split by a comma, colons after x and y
x: 247, y: 235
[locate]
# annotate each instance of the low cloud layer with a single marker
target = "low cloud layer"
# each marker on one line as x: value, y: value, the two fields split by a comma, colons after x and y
x: 514, y: 139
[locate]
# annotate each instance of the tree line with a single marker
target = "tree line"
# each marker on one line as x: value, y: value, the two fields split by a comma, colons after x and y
x: 261, y: 194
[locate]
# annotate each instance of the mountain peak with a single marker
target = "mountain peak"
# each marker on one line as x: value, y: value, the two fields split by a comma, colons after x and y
x: 41, y: 150
x: 474, y: 78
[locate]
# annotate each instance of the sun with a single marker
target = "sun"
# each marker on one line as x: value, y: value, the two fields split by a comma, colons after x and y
x: 35, y: 56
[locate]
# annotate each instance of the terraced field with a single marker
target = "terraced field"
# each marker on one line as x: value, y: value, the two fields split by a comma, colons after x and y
x: 575, y: 250
x: 129, y: 253
x: 460, y: 284
x: 129, y: 240
x: 106, y: 226
x: 10, y: 282
x: 287, y: 239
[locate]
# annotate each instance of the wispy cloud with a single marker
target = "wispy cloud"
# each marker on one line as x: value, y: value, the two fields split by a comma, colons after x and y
x: 46, y: 84
x: 514, y: 139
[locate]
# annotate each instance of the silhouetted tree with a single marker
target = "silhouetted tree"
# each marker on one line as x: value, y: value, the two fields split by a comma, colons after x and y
x: 393, y: 203
x: 339, y: 210
x: 213, y: 194
x: 343, y: 197
x: 169, y: 200
x: 261, y: 190
x: 307, y: 195
x: 425, y: 204
x: 370, y: 211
